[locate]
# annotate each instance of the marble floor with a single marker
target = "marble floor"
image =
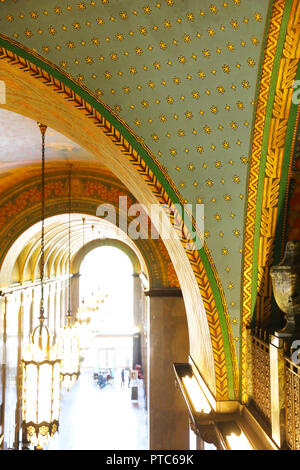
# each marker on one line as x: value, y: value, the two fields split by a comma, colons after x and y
x: 100, y: 419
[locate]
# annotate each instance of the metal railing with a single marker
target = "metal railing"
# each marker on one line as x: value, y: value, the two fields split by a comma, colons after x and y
x: 292, y: 404
x: 260, y: 400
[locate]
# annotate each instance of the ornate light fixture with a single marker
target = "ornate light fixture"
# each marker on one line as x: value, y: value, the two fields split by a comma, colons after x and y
x: 95, y: 308
x: 40, y: 363
x: 96, y: 296
x: 69, y: 340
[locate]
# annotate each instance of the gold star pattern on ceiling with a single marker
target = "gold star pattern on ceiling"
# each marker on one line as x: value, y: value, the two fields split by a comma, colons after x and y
x: 182, y: 75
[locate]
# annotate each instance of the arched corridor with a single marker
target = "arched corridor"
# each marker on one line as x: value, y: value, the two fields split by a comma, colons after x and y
x: 106, y: 285
x: 109, y: 277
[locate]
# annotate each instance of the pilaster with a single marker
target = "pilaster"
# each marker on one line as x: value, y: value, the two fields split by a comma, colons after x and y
x: 168, y: 343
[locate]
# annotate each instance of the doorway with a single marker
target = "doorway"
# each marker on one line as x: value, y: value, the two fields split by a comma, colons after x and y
x: 106, y: 286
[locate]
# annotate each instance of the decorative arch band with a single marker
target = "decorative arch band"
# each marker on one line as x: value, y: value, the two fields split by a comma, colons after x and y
x: 272, y: 145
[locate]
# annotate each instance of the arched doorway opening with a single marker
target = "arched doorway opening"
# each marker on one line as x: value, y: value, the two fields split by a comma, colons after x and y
x: 109, y: 350
x: 106, y: 286
x: 19, y: 307
x: 120, y: 266
x: 108, y: 270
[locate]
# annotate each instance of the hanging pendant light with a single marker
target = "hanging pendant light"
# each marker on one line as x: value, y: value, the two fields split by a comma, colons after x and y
x: 95, y: 301
x: 69, y: 339
x: 83, y: 317
x: 91, y: 303
x: 40, y: 363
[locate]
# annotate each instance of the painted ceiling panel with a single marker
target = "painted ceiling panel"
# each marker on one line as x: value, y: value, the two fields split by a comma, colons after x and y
x: 20, y: 142
x: 20, y: 149
x: 182, y: 74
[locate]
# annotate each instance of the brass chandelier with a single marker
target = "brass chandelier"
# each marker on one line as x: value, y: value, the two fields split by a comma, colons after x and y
x: 69, y: 339
x: 83, y: 317
x: 40, y: 362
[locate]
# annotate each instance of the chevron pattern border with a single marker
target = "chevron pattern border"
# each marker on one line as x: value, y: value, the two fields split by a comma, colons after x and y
x: 210, y: 307
x: 158, y: 190
x: 275, y: 154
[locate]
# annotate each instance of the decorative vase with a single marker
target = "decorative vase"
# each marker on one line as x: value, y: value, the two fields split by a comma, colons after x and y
x: 286, y: 289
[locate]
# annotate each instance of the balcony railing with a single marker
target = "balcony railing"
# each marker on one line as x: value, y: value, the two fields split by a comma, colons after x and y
x: 260, y: 401
x: 292, y: 404
x: 277, y: 409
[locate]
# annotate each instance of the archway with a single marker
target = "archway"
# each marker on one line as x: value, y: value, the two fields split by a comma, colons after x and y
x: 102, y: 283
x: 20, y: 305
x: 104, y: 274
x: 265, y: 176
x: 107, y: 343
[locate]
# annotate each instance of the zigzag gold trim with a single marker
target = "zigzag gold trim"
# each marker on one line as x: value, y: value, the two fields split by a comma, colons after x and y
x: 275, y: 153
x: 156, y: 187
x: 162, y: 169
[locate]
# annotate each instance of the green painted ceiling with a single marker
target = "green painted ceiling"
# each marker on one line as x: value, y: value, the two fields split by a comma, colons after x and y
x: 182, y: 74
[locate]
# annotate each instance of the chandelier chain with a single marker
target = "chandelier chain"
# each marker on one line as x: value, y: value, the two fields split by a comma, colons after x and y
x: 69, y: 243
x: 42, y: 274
x: 83, y: 245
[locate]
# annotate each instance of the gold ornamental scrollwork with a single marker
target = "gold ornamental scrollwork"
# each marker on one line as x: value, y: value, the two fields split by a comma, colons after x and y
x: 272, y: 177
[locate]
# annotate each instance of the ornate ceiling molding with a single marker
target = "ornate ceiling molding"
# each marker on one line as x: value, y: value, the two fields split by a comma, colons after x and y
x: 269, y: 167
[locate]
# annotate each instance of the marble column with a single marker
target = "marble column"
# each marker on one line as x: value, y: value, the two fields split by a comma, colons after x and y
x: 66, y: 287
x: 64, y: 307
x: 137, y: 320
x: 31, y: 310
x: 46, y: 303
x: 4, y: 368
x: 137, y: 301
x: 18, y: 417
x: 11, y: 361
x: 51, y: 306
x: 55, y: 293
x: 57, y: 308
x: 169, y: 343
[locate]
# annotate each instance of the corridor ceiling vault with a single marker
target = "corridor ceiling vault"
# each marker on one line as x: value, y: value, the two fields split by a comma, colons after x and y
x: 27, y: 247
x: 191, y: 85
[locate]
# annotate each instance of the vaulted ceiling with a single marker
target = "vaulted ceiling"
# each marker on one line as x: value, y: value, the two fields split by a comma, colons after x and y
x: 182, y: 76
x: 20, y: 150
x: 26, y: 266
